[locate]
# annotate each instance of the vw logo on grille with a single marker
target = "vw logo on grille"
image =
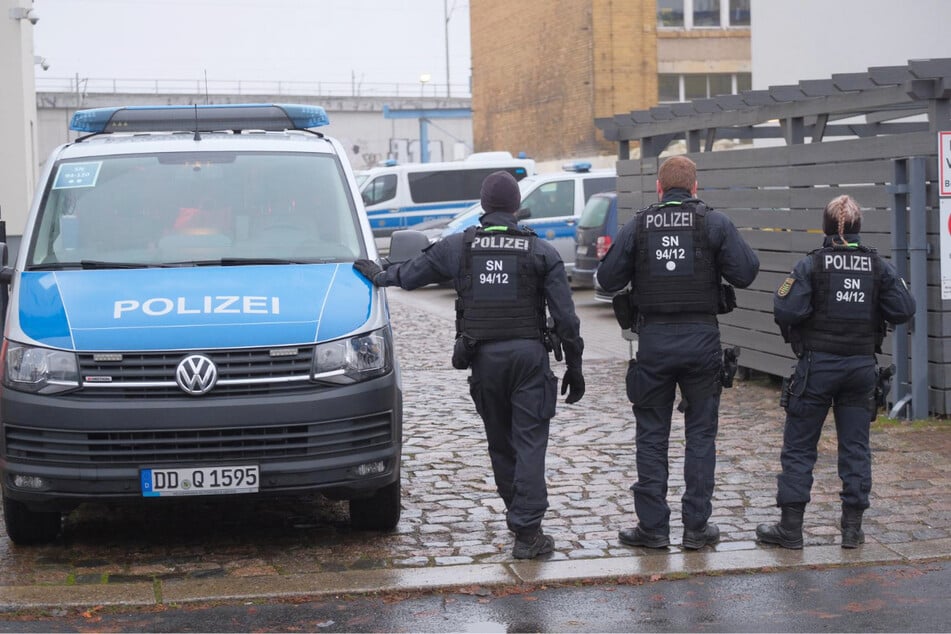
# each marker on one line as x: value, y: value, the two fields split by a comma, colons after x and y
x: 196, y: 374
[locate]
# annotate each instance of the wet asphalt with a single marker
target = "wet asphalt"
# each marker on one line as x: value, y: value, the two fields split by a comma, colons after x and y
x: 452, y: 533
x: 904, y: 598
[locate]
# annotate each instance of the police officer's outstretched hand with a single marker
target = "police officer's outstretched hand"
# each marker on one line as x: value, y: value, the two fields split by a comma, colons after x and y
x: 573, y: 384
x: 369, y: 269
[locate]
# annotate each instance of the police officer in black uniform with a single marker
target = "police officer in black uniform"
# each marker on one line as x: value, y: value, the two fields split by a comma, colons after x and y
x: 504, y: 276
x: 832, y: 309
x: 674, y: 254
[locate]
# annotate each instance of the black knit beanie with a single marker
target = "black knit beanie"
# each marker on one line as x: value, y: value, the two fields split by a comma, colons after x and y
x: 500, y: 193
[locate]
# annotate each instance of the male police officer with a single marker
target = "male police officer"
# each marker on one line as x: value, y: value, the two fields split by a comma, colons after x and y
x: 674, y: 254
x: 832, y: 309
x: 504, y: 276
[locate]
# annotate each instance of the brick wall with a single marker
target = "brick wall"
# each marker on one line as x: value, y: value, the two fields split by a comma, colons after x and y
x: 543, y: 71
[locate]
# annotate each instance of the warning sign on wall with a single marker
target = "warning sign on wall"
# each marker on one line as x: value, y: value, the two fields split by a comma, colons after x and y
x: 944, y: 163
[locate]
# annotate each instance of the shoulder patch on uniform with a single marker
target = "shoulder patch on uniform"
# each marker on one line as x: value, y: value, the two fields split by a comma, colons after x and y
x: 786, y: 286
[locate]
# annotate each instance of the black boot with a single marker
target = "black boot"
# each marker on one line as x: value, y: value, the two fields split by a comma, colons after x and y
x: 851, y: 523
x: 532, y: 543
x: 788, y: 532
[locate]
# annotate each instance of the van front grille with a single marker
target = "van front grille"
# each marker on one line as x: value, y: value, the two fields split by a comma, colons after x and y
x: 255, y: 371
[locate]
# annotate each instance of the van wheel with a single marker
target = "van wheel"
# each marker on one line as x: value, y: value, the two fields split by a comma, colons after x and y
x: 379, y: 512
x: 26, y: 527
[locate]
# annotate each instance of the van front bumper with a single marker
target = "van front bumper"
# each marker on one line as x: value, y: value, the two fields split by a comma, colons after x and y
x: 84, y: 450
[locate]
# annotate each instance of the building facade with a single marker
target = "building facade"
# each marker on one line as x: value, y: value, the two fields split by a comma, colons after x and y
x: 542, y: 72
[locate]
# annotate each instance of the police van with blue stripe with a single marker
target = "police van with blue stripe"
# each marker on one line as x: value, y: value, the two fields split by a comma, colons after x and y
x: 401, y: 196
x: 184, y: 320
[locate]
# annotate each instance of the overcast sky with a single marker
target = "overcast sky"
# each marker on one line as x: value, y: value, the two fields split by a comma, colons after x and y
x: 369, y: 41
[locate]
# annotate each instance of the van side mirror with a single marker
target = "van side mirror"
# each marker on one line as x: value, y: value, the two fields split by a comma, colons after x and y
x: 523, y: 213
x: 406, y: 245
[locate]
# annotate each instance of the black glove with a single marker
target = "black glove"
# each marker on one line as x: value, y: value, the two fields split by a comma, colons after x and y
x: 369, y: 269
x: 573, y: 384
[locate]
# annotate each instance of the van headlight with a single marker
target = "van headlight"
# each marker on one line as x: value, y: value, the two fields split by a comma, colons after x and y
x: 39, y: 370
x: 353, y: 359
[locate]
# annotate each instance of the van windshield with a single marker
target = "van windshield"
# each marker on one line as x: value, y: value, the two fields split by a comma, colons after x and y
x: 180, y: 208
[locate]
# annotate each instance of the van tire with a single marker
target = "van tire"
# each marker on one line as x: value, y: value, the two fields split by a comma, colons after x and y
x: 379, y: 512
x: 26, y: 527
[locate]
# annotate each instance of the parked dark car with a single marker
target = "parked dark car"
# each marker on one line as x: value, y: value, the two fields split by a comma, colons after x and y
x: 594, y: 235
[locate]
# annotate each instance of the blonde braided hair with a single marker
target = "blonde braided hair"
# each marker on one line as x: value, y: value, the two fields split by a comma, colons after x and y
x: 841, y: 212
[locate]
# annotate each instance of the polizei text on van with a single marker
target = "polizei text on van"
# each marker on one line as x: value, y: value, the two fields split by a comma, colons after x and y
x: 207, y: 304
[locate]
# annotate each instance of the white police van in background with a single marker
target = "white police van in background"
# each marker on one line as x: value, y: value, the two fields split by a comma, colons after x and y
x: 551, y: 206
x: 401, y: 196
x: 184, y: 320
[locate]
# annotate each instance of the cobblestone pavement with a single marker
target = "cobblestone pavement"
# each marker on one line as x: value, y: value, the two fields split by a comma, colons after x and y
x: 451, y: 513
x: 591, y: 464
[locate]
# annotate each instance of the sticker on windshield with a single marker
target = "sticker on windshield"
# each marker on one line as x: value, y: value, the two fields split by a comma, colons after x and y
x: 72, y: 175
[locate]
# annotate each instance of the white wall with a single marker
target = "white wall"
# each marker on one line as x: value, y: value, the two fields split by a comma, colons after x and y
x: 793, y: 40
x: 18, y: 161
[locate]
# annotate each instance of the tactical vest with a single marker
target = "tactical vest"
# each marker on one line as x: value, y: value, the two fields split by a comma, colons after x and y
x: 500, y: 296
x: 845, y: 316
x: 674, y: 269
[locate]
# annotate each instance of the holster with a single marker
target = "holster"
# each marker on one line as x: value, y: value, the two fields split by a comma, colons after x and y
x: 625, y: 311
x: 784, y: 394
x: 462, y: 352
x: 552, y: 341
x: 793, y: 337
x: 727, y: 299
x: 883, y: 385
x: 730, y: 365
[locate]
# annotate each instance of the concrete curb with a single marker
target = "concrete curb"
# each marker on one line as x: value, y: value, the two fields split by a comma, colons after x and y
x: 665, y: 564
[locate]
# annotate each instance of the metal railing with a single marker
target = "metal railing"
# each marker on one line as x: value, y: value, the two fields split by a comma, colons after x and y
x: 97, y: 85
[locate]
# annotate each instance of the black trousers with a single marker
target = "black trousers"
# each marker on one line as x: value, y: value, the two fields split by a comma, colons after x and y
x: 847, y: 385
x: 514, y: 391
x: 669, y: 355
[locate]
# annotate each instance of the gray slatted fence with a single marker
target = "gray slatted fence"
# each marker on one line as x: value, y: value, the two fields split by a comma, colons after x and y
x: 775, y: 196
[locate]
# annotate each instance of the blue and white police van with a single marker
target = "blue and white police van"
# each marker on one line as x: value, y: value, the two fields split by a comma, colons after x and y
x: 399, y: 196
x: 184, y: 320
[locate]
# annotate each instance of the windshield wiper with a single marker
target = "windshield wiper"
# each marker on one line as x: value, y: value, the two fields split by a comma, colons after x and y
x: 104, y: 264
x: 54, y: 266
x: 234, y: 262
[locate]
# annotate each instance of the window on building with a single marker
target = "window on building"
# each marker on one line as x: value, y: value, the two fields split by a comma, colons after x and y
x: 695, y: 87
x: 706, y: 12
x: 673, y: 87
x: 719, y: 84
x: 668, y: 88
x: 744, y: 81
x: 670, y: 13
x: 690, y: 14
x: 739, y: 12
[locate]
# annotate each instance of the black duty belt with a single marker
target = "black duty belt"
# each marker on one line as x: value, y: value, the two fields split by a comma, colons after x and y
x: 679, y: 318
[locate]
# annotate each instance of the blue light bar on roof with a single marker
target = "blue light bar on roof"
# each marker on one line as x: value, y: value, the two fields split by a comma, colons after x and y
x: 203, y: 118
x: 577, y: 166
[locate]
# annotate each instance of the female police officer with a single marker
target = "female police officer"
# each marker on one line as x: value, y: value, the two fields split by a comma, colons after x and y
x: 504, y: 277
x: 832, y: 309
